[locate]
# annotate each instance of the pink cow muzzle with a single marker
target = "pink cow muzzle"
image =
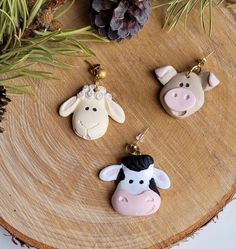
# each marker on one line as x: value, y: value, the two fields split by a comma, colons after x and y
x: 179, y: 99
x: 142, y: 204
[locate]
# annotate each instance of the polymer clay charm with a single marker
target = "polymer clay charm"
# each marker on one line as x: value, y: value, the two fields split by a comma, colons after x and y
x: 183, y: 93
x: 138, y: 181
x: 91, y: 109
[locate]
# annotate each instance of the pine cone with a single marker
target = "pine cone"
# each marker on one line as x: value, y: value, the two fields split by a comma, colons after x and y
x: 4, y: 100
x: 119, y: 19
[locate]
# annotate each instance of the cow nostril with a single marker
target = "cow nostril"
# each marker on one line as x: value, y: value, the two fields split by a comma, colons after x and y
x: 86, y: 108
x: 141, y: 181
x: 123, y: 199
x: 131, y: 181
x: 150, y: 200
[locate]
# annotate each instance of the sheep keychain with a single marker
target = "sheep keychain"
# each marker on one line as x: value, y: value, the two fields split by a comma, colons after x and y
x: 137, y: 180
x: 91, y: 108
x: 183, y: 93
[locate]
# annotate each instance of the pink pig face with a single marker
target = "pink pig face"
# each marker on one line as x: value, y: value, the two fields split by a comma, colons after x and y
x: 182, y: 96
x: 136, y: 193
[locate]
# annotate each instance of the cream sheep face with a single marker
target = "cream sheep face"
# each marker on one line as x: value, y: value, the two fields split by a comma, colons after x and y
x: 91, y: 110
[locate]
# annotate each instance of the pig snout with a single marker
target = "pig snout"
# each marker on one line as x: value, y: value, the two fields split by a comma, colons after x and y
x: 179, y: 99
x: 142, y: 204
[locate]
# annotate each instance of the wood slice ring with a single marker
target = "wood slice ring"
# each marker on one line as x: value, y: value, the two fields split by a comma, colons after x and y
x: 50, y: 193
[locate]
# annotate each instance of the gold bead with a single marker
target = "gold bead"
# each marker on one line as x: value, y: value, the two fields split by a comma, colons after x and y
x: 135, y: 146
x: 101, y: 73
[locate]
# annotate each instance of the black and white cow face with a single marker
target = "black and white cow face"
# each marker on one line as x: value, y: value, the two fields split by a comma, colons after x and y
x: 136, y: 193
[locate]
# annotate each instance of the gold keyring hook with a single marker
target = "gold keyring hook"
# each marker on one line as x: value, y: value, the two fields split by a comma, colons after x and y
x: 133, y: 148
x: 197, y: 68
x: 98, y: 72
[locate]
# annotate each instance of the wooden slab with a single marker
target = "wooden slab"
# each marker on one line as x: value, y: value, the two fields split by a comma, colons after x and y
x: 50, y: 193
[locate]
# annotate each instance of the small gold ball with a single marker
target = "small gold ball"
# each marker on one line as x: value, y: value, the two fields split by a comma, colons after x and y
x: 102, y: 73
x: 135, y: 147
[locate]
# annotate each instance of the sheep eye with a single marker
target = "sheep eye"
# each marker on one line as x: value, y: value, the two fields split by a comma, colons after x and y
x: 181, y: 84
x: 87, y: 108
x: 131, y: 181
x: 141, y: 181
x: 187, y: 85
x: 94, y: 109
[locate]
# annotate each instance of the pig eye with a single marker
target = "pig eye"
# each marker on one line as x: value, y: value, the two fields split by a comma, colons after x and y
x: 187, y: 85
x: 141, y: 182
x: 181, y: 84
x: 94, y: 109
x: 131, y: 181
x: 87, y: 108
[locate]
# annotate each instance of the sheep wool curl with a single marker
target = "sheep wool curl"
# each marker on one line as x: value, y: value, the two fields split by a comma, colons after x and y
x: 89, y: 92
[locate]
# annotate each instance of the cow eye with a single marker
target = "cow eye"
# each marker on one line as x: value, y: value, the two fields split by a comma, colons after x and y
x: 86, y: 108
x: 187, y: 85
x: 94, y: 109
x: 131, y: 181
x: 141, y: 181
x: 181, y: 84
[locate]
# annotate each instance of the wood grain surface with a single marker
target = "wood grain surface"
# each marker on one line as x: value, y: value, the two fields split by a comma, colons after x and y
x: 50, y: 194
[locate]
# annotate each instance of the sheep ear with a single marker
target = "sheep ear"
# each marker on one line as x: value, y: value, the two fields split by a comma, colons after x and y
x: 110, y: 173
x: 209, y: 81
x: 115, y: 111
x: 68, y: 106
x: 164, y: 74
x: 161, y: 178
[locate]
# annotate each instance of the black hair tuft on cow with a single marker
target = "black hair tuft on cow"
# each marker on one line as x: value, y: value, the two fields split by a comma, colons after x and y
x: 153, y: 186
x: 137, y: 162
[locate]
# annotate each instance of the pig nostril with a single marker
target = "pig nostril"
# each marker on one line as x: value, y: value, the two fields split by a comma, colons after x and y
x: 175, y: 95
x: 187, y: 97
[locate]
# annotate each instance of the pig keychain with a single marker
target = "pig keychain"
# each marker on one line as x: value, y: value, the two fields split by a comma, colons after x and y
x: 91, y: 108
x: 137, y: 181
x: 183, y: 93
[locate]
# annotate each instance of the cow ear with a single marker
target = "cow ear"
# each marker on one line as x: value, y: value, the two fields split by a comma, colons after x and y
x: 164, y: 74
x: 115, y: 111
x: 110, y: 173
x: 161, y: 178
x: 68, y: 106
x: 209, y: 80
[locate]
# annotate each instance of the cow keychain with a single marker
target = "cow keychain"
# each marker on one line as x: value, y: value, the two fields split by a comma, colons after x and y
x: 183, y: 93
x: 91, y: 108
x: 137, y: 180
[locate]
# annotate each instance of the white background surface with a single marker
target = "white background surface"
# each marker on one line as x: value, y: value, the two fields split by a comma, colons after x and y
x: 219, y: 235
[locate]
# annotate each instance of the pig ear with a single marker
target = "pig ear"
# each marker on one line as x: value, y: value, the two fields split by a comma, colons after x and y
x: 115, y: 111
x: 110, y: 173
x: 164, y: 74
x: 209, y: 81
x: 68, y: 106
x: 161, y: 178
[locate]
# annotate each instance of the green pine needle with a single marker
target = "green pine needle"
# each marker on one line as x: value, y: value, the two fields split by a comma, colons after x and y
x: 19, y: 55
x: 178, y: 9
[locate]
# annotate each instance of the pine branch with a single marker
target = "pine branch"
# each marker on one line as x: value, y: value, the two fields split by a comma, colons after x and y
x: 31, y: 38
x: 181, y: 9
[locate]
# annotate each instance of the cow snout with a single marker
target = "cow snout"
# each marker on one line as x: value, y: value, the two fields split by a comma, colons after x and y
x: 142, y: 204
x: 180, y: 99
